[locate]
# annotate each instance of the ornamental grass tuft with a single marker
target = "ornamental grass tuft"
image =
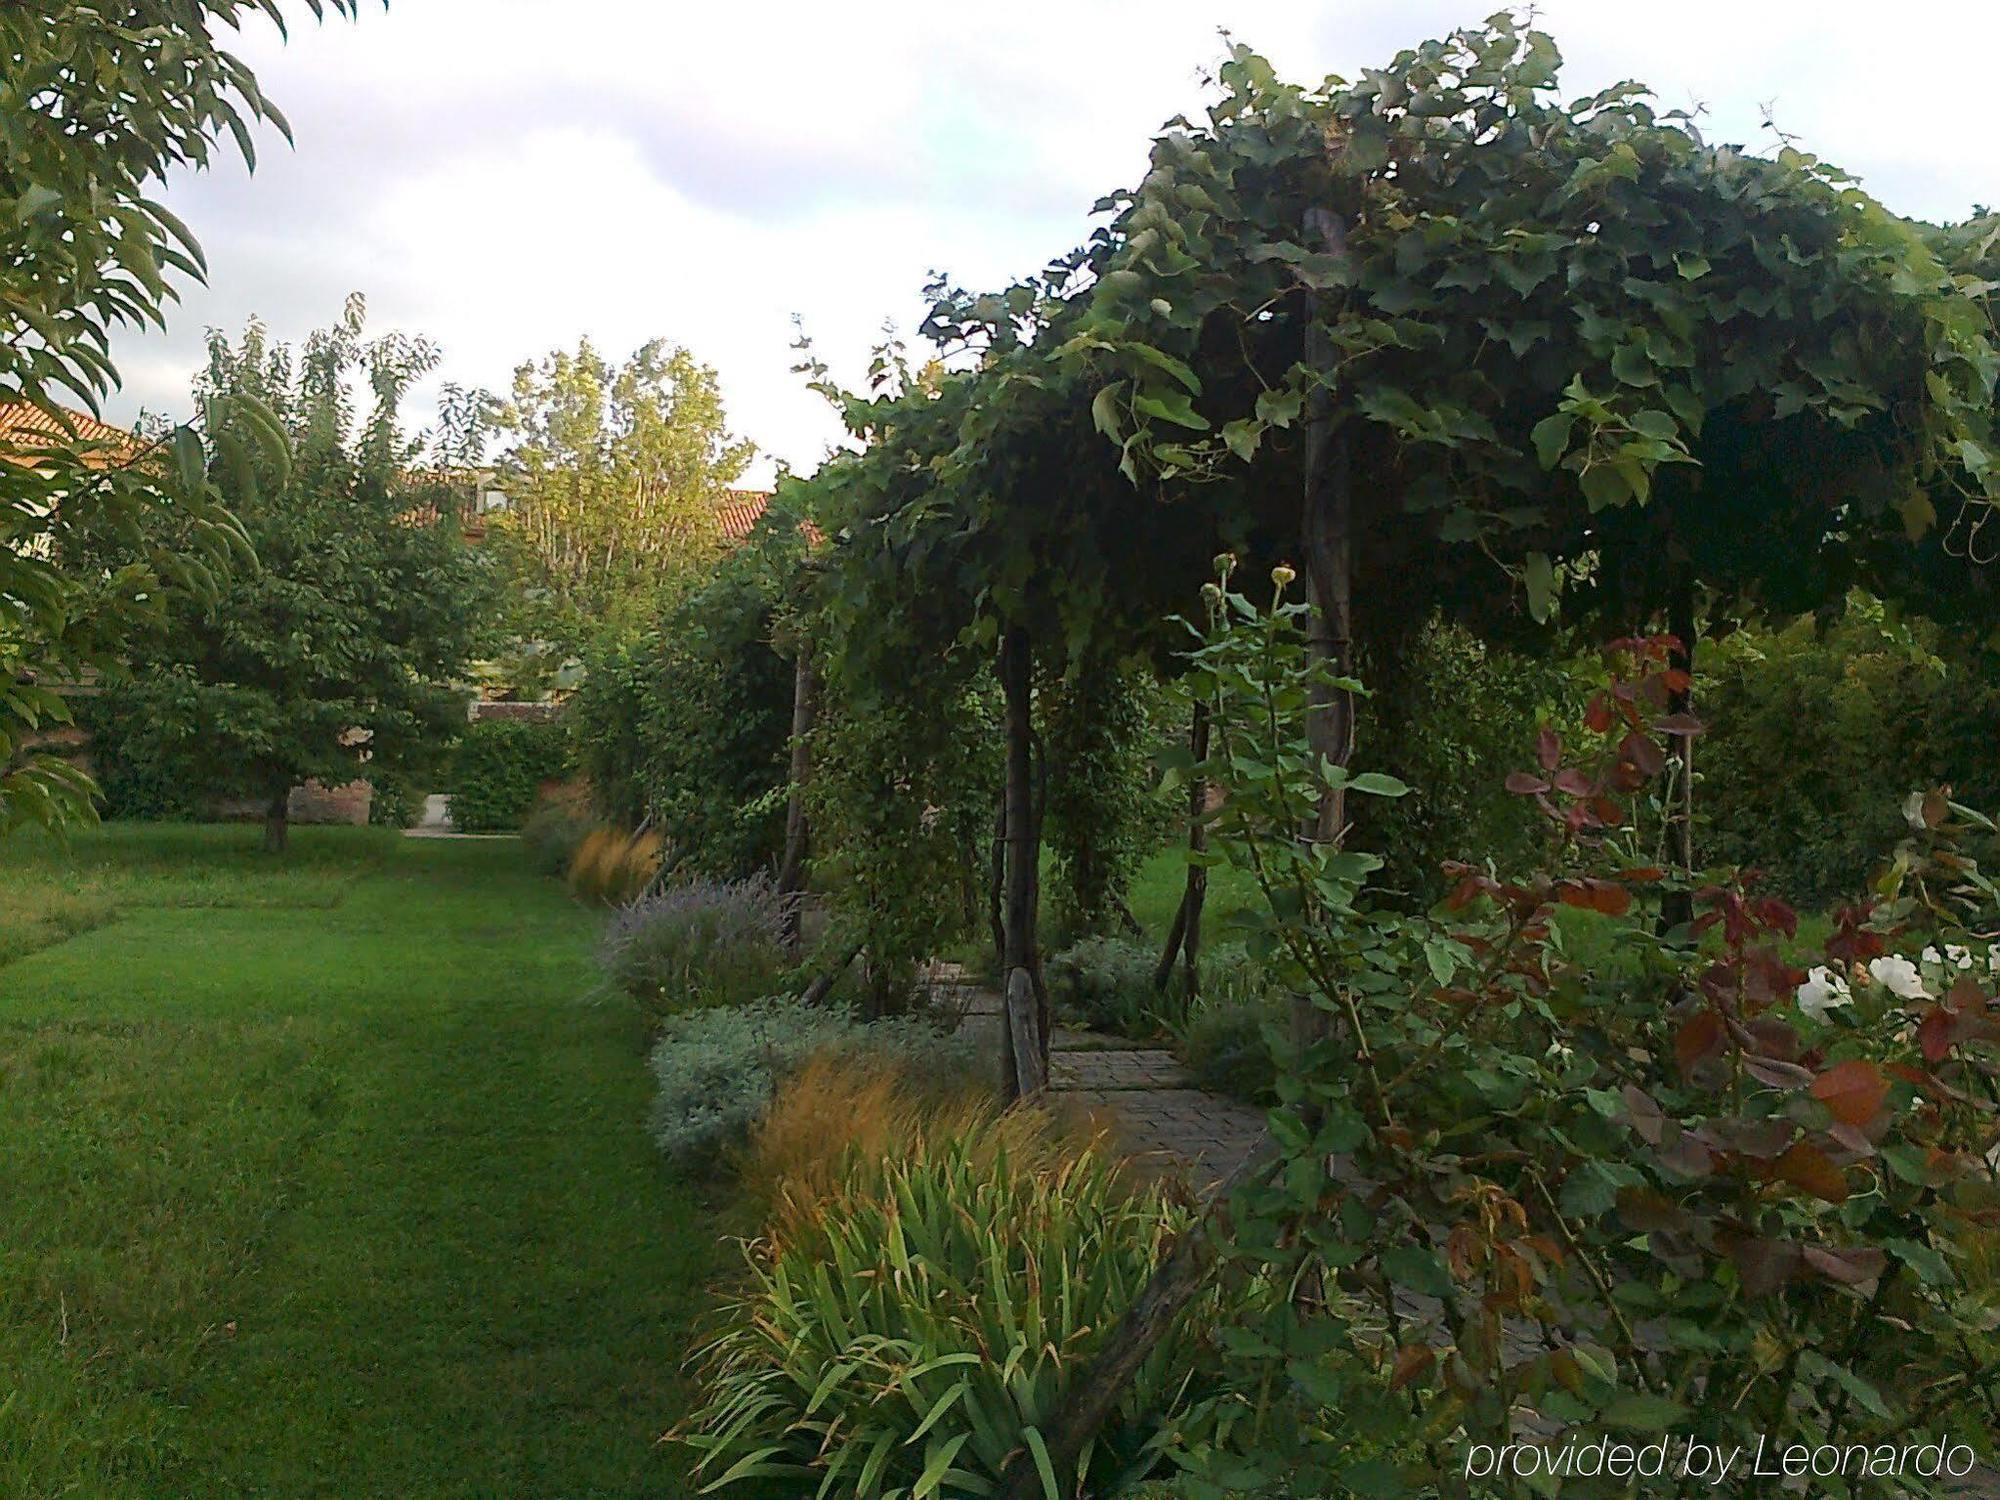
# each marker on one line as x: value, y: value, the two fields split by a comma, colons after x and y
x: 918, y: 1326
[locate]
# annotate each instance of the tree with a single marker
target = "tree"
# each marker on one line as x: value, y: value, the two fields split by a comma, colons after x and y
x: 614, y: 479
x: 100, y: 105
x: 335, y: 655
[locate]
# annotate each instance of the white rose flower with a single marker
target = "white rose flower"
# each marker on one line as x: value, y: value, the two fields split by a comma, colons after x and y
x: 1822, y: 991
x: 1898, y: 976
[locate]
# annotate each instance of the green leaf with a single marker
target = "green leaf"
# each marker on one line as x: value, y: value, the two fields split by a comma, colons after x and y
x: 1378, y: 784
x: 188, y: 456
x: 1279, y: 408
x: 1242, y: 437
x: 1418, y: 1269
x: 1604, y: 485
x: 1104, y: 411
x: 1642, y: 1412
x: 1551, y: 437
x: 1173, y: 407
x: 1632, y: 366
x: 1539, y: 577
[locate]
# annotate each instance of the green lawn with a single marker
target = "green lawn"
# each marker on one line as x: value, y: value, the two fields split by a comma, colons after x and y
x: 320, y: 1177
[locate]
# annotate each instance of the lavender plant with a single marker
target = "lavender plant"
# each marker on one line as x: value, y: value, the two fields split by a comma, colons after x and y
x: 718, y: 1068
x: 698, y: 943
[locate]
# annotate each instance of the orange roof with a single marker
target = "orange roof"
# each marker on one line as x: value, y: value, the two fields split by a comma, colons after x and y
x: 25, y: 427
x: 738, y: 513
x: 742, y: 509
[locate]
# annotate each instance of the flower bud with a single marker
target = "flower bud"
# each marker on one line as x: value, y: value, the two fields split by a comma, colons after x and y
x: 1282, y: 574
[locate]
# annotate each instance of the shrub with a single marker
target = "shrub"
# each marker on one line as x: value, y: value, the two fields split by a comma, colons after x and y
x: 697, y: 943
x: 1443, y: 711
x: 1225, y: 1047
x: 145, y: 750
x: 499, y: 769
x: 689, y: 726
x: 1107, y: 985
x: 718, y: 1068
x: 395, y: 802
x: 927, y: 1319
x: 1725, y: 1196
x: 551, y: 836
x: 1817, y: 731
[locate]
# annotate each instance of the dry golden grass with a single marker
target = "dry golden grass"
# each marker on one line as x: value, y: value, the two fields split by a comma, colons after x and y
x: 846, y: 1111
x: 614, y: 866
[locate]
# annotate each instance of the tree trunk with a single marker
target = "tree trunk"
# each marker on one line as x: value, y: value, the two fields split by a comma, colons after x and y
x: 792, y: 872
x: 1023, y: 840
x: 1186, y: 933
x: 1677, y: 907
x: 277, y: 822
x: 996, y: 884
x: 1169, y: 955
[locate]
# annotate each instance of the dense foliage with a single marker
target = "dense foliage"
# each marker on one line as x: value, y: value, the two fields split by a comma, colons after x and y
x: 1707, y: 1182
x: 717, y: 1068
x: 614, y: 476
x: 1441, y: 714
x: 500, y: 768
x: 99, y: 108
x: 686, y: 725
x: 1819, y: 730
x: 336, y: 654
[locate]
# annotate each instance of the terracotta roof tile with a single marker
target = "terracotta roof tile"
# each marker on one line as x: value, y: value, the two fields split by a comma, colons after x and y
x: 25, y: 427
x: 739, y: 513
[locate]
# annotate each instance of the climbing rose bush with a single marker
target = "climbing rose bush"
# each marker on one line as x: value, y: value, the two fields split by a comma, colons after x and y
x: 1711, y: 1189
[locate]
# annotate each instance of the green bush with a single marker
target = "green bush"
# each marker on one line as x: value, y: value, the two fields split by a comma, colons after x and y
x: 551, y: 835
x: 689, y: 726
x: 717, y: 1069
x: 928, y: 1320
x: 396, y: 803
x: 1815, y: 734
x: 498, y: 771
x: 1106, y: 984
x: 1447, y: 717
x: 145, y: 750
x: 1224, y: 1045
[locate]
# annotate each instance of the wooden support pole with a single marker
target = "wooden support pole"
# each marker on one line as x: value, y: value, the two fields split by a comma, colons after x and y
x: 1023, y: 841
x: 1024, y: 1034
x: 792, y: 870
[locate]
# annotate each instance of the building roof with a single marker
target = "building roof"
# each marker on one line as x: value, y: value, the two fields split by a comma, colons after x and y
x: 740, y: 512
x: 737, y: 515
x: 25, y: 428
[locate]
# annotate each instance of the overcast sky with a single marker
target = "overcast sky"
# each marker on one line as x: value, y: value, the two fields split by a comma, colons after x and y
x: 508, y: 175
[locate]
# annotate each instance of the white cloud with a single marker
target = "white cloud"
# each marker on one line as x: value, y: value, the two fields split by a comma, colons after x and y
x: 506, y: 175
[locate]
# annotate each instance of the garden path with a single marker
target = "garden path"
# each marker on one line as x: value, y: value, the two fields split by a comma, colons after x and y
x: 1140, y: 1093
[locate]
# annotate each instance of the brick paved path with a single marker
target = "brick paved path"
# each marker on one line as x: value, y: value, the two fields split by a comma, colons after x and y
x: 1140, y: 1093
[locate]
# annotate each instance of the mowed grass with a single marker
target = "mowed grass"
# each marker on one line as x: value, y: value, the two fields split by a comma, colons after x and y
x: 320, y: 1177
